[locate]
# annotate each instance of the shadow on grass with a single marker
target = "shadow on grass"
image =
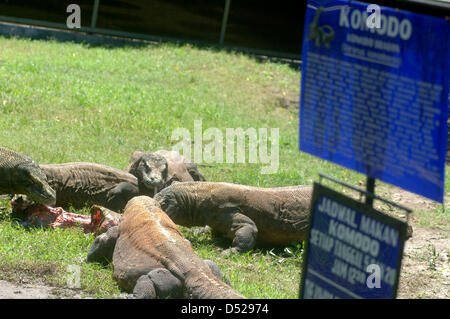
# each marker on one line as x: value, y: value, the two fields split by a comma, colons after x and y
x: 108, y: 41
x: 202, y: 236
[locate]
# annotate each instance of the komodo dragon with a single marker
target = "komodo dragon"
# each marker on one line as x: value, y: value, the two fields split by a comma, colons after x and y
x: 19, y: 174
x: 161, y: 168
x: 180, y: 168
x: 83, y: 184
x: 152, y: 258
x: 244, y: 214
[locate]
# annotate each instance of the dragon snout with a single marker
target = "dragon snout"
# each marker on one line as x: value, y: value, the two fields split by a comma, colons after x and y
x: 43, y: 194
x: 153, y: 182
x: 51, y: 195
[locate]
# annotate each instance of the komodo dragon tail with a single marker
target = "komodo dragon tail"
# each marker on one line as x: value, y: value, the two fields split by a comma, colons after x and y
x: 204, y: 285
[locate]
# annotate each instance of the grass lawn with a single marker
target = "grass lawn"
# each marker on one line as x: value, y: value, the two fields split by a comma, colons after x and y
x: 63, y: 102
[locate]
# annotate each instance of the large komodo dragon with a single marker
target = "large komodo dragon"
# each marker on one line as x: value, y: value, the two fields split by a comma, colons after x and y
x: 83, y: 184
x: 161, y: 168
x: 152, y: 258
x: 19, y: 174
x: 244, y: 214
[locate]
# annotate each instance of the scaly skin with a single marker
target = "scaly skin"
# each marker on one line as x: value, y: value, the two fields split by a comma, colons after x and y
x: 244, y: 214
x: 19, y: 174
x: 179, y: 168
x: 84, y: 184
x: 161, y: 168
x: 149, y: 168
x: 147, y: 241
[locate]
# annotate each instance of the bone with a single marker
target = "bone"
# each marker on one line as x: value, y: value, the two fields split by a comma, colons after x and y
x: 99, y: 221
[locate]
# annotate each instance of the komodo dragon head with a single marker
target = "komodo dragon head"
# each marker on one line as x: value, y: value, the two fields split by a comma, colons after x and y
x: 150, y: 169
x: 176, y: 203
x: 32, y: 181
x: 21, y: 175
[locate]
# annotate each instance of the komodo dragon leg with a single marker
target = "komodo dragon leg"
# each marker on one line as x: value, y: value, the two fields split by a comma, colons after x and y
x: 238, y: 227
x: 215, y: 269
x: 118, y: 197
x: 102, y: 248
x: 160, y: 283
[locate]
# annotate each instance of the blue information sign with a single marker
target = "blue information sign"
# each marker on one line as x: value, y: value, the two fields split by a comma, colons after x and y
x: 353, y: 251
x: 375, y: 92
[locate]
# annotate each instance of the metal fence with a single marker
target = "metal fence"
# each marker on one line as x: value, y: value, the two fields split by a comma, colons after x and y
x: 271, y: 28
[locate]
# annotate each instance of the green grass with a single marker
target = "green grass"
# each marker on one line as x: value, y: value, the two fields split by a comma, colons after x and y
x: 64, y: 102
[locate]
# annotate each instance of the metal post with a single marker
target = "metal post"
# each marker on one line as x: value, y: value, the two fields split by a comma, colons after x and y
x: 365, y: 192
x: 226, y: 12
x: 95, y: 14
x: 370, y: 188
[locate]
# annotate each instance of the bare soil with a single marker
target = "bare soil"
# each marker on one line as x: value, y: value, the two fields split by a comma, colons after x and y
x: 425, y: 266
x: 9, y: 290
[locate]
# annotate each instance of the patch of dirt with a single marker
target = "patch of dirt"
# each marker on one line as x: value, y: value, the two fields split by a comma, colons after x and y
x: 28, y: 280
x: 9, y: 290
x: 283, y: 99
x: 425, y: 266
x: 408, y: 199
